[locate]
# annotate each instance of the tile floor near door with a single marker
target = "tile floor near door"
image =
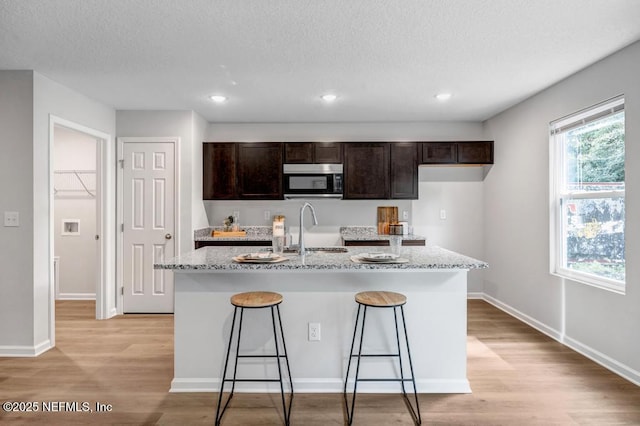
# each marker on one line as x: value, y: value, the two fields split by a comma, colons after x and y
x: 518, y: 377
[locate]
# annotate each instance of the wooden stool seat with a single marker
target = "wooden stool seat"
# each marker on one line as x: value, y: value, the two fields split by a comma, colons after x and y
x: 381, y: 299
x: 256, y: 299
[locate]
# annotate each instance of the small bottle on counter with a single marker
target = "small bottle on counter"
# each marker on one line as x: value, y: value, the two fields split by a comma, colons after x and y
x: 236, y: 222
x: 278, y: 239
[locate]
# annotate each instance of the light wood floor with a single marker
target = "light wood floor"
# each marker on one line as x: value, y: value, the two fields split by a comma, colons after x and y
x: 518, y: 377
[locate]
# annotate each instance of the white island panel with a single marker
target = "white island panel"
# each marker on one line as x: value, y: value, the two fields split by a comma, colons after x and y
x: 435, y: 314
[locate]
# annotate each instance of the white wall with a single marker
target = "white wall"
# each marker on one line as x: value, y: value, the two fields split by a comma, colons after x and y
x: 51, y: 98
x: 600, y: 323
x: 343, y: 132
x: 28, y: 99
x: 187, y: 126
x: 16, y: 194
x: 198, y: 214
x: 77, y: 265
x: 459, y: 191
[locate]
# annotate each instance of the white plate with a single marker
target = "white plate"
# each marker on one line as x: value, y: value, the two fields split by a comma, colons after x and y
x: 378, y: 257
x: 260, y: 257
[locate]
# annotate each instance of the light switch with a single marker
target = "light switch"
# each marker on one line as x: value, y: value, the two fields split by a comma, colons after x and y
x: 443, y: 214
x: 11, y: 219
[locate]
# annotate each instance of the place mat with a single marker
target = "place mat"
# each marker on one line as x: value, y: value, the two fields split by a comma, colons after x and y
x: 357, y: 259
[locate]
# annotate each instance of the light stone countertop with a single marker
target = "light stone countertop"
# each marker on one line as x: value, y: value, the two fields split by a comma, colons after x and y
x: 370, y: 233
x: 263, y: 233
x: 220, y: 259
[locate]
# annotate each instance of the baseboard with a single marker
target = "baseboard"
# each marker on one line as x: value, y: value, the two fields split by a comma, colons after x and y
x: 475, y: 295
x: 311, y: 385
x: 76, y: 296
x: 607, y: 362
x: 25, y: 351
x: 541, y: 327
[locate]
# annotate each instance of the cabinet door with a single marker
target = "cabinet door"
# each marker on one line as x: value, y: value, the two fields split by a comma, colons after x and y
x: 439, y: 153
x: 219, y: 171
x: 327, y: 152
x: 404, y: 170
x: 366, y: 170
x: 298, y: 152
x: 475, y: 152
x: 260, y: 171
x: 313, y: 152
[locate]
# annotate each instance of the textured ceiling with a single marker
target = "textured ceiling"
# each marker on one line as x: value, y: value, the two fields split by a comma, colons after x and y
x: 385, y: 59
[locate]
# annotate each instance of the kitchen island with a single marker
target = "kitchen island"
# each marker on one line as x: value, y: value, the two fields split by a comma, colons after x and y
x: 320, y: 288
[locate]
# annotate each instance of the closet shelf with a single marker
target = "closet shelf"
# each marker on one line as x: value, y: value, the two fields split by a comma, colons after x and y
x: 74, y: 183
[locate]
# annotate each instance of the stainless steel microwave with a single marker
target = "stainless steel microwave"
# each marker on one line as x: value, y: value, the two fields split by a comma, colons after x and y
x: 312, y: 180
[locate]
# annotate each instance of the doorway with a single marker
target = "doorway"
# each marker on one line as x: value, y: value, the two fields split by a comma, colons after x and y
x: 75, y: 216
x: 103, y: 262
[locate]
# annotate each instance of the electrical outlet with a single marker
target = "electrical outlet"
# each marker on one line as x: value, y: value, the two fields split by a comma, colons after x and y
x: 11, y: 219
x: 405, y: 215
x: 443, y: 214
x: 267, y: 215
x: 236, y: 214
x: 314, y: 331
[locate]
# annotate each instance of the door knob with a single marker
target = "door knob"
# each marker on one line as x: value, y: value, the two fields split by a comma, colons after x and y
x: 97, y: 237
x: 167, y: 237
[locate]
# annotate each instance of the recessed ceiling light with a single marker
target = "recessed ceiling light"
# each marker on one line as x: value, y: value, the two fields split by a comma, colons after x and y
x: 218, y: 98
x: 329, y: 97
x: 443, y: 96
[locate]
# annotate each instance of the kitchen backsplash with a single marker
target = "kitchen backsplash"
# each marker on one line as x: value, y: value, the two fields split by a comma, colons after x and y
x: 331, y: 213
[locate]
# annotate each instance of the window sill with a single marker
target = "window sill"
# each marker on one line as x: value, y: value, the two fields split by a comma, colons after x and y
x: 601, y: 283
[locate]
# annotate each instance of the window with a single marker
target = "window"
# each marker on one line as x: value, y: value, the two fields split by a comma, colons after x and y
x: 587, y: 187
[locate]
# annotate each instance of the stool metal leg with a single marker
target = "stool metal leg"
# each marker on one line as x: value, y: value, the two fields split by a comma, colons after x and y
x: 224, y: 372
x: 355, y: 328
x: 395, y: 319
x: 284, y: 346
x: 221, y: 408
x: 235, y: 367
x: 355, y: 383
x: 417, y: 417
x: 285, y: 412
x: 415, y: 413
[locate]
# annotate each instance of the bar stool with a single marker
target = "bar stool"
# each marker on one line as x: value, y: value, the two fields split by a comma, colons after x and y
x: 381, y: 299
x: 256, y: 300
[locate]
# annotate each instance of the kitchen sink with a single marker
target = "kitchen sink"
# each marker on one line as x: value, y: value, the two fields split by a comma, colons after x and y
x: 332, y: 249
x: 328, y: 249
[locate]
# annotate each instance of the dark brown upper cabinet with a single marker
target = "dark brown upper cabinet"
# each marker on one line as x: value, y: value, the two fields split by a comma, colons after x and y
x: 475, y: 152
x: 381, y: 170
x: 233, y: 171
x: 313, y: 152
x: 259, y: 171
x: 327, y: 152
x: 366, y: 170
x: 219, y: 171
x: 298, y: 152
x: 439, y: 153
x: 404, y: 170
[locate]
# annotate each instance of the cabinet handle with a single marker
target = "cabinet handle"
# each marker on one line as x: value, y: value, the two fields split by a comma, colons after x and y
x: 167, y: 237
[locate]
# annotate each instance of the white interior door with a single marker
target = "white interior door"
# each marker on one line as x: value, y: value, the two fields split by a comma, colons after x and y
x: 149, y: 225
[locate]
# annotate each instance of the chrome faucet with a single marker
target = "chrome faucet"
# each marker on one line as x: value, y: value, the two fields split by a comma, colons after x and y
x: 301, y: 248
